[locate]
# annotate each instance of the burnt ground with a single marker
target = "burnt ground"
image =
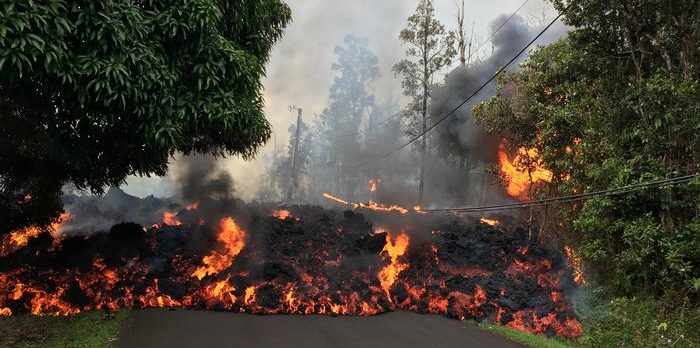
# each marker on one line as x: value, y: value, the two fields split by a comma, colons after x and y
x: 154, y: 328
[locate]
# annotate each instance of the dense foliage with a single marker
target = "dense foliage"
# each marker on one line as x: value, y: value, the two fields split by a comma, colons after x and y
x: 615, y: 103
x: 93, y: 91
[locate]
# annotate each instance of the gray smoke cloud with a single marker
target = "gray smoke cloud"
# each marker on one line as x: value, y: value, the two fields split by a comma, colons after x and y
x: 299, y: 72
x: 462, y: 82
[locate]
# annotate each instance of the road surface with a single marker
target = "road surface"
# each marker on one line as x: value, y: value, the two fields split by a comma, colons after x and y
x: 194, y: 329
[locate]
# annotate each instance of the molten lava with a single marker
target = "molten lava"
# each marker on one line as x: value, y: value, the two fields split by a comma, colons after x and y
x: 524, y: 170
x: 232, y: 237
x: 18, y: 239
x: 319, y: 262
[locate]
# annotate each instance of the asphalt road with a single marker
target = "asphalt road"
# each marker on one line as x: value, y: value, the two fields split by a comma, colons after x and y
x: 192, y: 329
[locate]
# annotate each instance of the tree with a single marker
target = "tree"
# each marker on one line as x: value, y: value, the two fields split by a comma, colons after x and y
x: 464, y: 48
x: 430, y: 49
x: 350, y: 104
x: 613, y: 104
x: 94, y: 91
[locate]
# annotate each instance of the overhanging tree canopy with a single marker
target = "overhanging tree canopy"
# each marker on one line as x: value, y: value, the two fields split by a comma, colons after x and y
x: 93, y: 91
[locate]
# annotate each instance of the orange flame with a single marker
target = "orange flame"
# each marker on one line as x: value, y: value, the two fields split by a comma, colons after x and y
x: 232, y: 236
x: 373, y: 184
x: 249, y: 296
x: 20, y: 238
x: 170, y: 218
x: 518, y: 177
x: 396, y: 248
x: 576, y: 264
x: 192, y: 206
x: 372, y: 205
x: 490, y: 222
x: 281, y: 214
x: 336, y: 199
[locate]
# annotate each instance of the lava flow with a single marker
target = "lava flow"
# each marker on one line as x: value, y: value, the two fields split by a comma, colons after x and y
x: 298, y: 260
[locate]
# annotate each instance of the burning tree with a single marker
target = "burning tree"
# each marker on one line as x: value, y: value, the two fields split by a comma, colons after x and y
x: 95, y: 91
x: 629, y: 117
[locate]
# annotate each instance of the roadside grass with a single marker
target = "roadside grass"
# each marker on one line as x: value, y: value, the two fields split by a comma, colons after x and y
x: 86, y: 330
x: 622, y: 322
x: 528, y: 339
x: 642, y: 322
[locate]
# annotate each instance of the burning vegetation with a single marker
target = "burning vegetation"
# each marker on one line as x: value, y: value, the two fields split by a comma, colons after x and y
x: 297, y: 260
x: 522, y: 171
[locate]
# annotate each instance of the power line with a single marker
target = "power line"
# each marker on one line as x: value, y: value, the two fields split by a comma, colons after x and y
x: 442, y: 119
x: 571, y: 198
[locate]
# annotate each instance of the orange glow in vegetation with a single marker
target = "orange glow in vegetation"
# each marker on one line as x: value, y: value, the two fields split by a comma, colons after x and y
x: 192, y: 206
x: 5, y: 312
x: 170, y: 218
x: 395, y: 248
x: 489, y: 221
x: 232, y: 237
x: 281, y: 214
x: 518, y: 177
x: 576, y: 264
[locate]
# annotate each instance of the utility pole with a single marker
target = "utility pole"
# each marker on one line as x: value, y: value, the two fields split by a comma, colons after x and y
x: 293, y: 176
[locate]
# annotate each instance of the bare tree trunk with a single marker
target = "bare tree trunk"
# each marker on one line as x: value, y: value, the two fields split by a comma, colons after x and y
x: 424, y: 113
x: 462, y: 44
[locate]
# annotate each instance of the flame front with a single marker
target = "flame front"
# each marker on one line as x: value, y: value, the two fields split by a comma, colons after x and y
x: 394, y: 249
x: 518, y: 177
x: 308, y: 264
x: 232, y: 237
x: 20, y: 238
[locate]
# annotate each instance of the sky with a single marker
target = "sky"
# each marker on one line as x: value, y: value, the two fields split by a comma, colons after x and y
x: 299, y: 71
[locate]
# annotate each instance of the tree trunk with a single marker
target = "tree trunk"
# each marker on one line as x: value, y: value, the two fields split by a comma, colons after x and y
x: 424, y: 112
